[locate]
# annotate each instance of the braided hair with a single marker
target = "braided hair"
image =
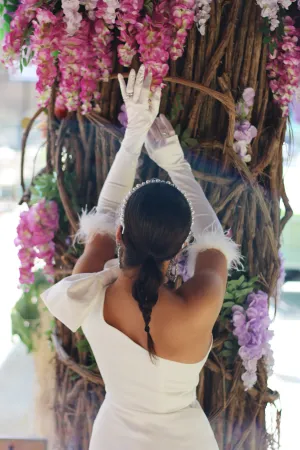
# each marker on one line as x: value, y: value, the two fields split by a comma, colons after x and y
x: 157, y: 221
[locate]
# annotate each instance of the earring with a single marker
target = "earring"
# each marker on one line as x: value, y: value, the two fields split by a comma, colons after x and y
x: 119, y: 254
x: 172, y: 271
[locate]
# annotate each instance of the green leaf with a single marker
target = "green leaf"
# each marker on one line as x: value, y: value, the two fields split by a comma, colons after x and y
x: 228, y: 304
x: 7, y: 18
x: 178, y: 129
x: 228, y: 345
x: 226, y: 353
x: 11, y: 8
x: 242, y: 293
x: 1, y: 9
x: 186, y: 134
x: 6, y: 27
x: 83, y: 345
x: 228, y: 296
x: 148, y: 5
x: 55, y: 53
x: 267, y: 39
x: 2, y: 34
x: 24, y: 61
x: 191, y: 142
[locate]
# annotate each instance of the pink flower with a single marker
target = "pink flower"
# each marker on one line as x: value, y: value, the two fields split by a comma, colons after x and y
x: 284, y: 69
x: 35, y: 234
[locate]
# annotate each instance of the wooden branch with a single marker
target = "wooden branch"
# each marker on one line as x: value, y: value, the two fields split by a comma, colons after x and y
x: 72, y: 217
x: 72, y: 365
x: 288, y: 210
x: 24, y: 142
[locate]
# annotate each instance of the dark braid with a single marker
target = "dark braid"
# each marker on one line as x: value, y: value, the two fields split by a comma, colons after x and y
x: 145, y: 292
x: 157, y: 222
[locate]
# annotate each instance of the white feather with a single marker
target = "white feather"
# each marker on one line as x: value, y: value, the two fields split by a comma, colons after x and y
x: 93, y: 223
x: 218, y: 241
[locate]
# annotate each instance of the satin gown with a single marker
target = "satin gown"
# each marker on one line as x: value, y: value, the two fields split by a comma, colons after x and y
x: 148, y: 406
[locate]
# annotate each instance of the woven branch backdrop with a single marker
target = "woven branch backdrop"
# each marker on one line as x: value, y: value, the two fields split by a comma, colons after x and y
x: 207, y: 81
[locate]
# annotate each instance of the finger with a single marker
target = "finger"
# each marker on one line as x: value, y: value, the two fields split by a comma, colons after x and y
x: 155, y: 101
x: 139, y: 83
x: 167, y: 124
x: 145, y: 93
x: 131, y: 82
x: 122, y: 86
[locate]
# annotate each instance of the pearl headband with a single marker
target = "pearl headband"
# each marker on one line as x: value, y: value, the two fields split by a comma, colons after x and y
x: 154, y: 180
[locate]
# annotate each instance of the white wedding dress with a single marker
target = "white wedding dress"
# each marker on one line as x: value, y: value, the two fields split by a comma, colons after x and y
x: 148, y: 406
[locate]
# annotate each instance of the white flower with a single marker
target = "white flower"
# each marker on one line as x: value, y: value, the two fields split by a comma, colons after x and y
x: 202, y: 14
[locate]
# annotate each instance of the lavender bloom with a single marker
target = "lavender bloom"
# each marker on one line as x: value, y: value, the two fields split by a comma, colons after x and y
x: 244, y: 131
x: 251, y: 327
x: 248, y: 97
x: 182, y: 266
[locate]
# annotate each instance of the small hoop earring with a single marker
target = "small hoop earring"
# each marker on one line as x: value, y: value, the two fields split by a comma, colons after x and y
x: 172, y: 272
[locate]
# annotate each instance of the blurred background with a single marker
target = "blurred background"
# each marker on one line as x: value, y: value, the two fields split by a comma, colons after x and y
x: 18, y: 382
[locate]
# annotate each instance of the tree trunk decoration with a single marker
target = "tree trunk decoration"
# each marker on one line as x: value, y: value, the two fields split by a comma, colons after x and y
x: 200, y: 96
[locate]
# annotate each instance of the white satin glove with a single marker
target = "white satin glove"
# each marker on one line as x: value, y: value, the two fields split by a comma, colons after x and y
x: 164, y: 148
x: 142, y: 108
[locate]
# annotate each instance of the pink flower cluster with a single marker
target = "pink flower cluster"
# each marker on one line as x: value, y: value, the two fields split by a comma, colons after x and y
x: 284, y: 67
x: 127, y: 19
x: 35, y: 234
x: 44, y: 41
x: 202, y: 14
x: 154, y: 37
x: 251, y: 327
x: 15, y: 39
x: 244, y: 131
x: 73, y: 46
x: 183, y: 17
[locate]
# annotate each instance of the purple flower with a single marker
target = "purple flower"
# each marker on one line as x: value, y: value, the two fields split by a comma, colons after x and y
x: 248, y: 96
x: 182, y: 267
x: 251, y: 327
x: 244, y: 131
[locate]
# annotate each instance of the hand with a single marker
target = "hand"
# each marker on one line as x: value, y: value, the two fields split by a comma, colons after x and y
x: 141, y: 106
x: 162, y: 144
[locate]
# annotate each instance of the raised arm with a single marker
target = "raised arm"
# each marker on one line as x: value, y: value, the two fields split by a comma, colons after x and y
x: 97, y: 228
x: 213, y: 253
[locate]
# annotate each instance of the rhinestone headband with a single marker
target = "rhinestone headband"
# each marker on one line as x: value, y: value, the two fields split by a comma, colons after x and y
x: 155, y: 180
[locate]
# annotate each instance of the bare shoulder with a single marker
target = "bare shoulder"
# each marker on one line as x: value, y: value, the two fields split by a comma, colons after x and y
x: 203, y: 294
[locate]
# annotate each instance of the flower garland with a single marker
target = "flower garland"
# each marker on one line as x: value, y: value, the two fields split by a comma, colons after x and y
x: 202, y: 14
x: 182, y: 16
x: 35, y: 234
x: 15, y: 39
x: 127, y: 19
x: 244, y: 131
x: 45, y: 41
x: 154, y: 37
x: 251, y: 327
x: 284, y: 67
